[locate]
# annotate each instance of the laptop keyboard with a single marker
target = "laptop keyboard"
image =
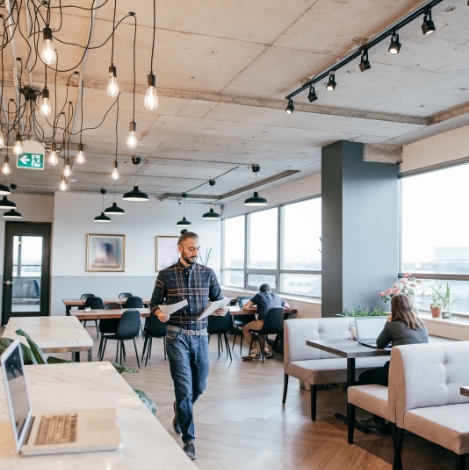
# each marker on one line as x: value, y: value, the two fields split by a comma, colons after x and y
x: 57, y: 429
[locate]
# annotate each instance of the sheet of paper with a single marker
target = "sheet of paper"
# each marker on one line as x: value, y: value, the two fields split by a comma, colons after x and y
x: 170, y: 309
x: 213, y: 306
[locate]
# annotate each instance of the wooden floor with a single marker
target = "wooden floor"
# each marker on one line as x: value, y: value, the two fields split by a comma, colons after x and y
x: 240, y: 421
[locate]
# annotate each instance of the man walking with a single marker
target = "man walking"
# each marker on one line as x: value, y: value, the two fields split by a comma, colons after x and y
x: 186, y: 337
x: 264, y: 301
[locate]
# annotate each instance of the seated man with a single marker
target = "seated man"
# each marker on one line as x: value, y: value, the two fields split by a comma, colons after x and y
x: 264, y: 301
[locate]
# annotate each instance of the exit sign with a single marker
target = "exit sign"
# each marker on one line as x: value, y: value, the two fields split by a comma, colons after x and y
x: 30, y: 161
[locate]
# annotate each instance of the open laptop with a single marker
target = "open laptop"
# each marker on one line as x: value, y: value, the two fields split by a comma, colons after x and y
x: 242, y: 301
x: 368, y: 329
x: 53, y: 432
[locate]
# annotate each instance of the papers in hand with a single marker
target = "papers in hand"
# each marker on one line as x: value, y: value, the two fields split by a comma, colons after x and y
x: 212, y: 307
x: 170, y: 309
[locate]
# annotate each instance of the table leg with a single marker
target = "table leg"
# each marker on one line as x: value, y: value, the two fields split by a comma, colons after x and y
x: 76, y: 356
x: 90, y: 354
x: 67, y: 310
x: 350, y: 410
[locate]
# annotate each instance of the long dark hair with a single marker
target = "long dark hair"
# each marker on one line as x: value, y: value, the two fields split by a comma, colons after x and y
x: 402, y: 310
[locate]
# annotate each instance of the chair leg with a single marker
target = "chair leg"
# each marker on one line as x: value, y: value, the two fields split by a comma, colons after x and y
x: 218, y: 341
x: 460, y: 462
x: 285, y: 388
x: 136, y: 353
x: 117, y: 351
x: 221, y: 341
x: 234, y: 336
x: 350, y: 421
x: 241, y: 345
x: 151, y: 347
x: 262, y: 347
x: 97, y: 329
x: 399, y: 440
x: 227, y: 344
x: 100, y: 346
x: 314, y: 395
x: 250, y: 346
x: 148, y: 351
x: 145, y: 344
x: 123, y: 349
x: 104, y: 349
x: 84, y: 323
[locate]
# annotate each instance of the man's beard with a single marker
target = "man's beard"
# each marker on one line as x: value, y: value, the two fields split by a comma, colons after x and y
x: 189, y: 260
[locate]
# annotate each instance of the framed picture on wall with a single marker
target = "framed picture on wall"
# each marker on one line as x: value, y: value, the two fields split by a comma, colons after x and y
x: 166, y: 252
x: 105, y: 253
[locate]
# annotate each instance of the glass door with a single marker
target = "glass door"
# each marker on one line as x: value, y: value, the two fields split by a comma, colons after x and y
x: 26, y: 270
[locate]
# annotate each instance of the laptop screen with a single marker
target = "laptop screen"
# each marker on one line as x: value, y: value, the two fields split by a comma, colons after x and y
x: 15, y: 387
x: 242, y: 301
x: 369, y: 328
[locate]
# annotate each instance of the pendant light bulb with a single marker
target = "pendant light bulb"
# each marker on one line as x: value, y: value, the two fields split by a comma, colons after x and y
x: 115, y: 171
x: 151, y: 98
x: 112, y: 85
x: 18, y: 148
x: 331, y: 84
x: 48, y: 54
x: 2, y: 138
x: 67, y: 168
x: 81, y: 154
x: 6, y: 166
x: 44, y: 107
x: 132, y: 137
x: 63, y: 183
x: 53, y: 159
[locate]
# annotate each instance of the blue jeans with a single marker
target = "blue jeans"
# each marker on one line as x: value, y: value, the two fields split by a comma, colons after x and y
x: 189, y: 364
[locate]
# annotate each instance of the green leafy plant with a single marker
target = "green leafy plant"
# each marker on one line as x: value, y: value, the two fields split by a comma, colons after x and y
x: 362, y: 312
x: 34, y: 355
x: 442, y: 298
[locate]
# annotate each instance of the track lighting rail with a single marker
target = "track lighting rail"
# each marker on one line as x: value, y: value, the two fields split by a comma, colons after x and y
x: 385, y: 33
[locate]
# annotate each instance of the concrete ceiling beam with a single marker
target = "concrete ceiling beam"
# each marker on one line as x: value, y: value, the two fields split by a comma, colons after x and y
x: 449, y: 114
x: 382, y: 153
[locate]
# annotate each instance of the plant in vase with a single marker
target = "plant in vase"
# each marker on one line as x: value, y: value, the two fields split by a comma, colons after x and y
x: 444, y: 299
x: 407, y: 285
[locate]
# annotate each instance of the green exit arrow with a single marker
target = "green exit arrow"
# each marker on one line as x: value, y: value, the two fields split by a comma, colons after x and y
x: 30, y: 161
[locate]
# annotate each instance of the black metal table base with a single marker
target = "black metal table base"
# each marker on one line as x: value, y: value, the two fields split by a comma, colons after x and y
x: 359, y: 426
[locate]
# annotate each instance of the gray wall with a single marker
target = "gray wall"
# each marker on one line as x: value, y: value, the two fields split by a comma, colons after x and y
x: 360, y: 228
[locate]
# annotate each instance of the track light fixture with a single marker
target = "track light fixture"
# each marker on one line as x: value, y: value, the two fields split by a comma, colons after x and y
x: 395, y: 46
x: 6, y: 166
x: 184, y: 221
x: 364, y: 62
x: 255, y: 200
x: 331, y: 84
x: 312, y: 94
x: 48, y: 54
x: 102, y: 217
x: 211, y: 214
x: 135, y: 195
x: 53, y: 158
x: 428, y: 27
x: 18, y: 148
x: 290, y: 108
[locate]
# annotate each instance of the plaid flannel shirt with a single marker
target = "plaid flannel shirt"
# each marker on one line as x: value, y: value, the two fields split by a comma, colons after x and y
x: 196, y: 283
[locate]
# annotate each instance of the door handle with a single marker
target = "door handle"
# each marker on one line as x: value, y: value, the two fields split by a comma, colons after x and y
x: 7, y: 282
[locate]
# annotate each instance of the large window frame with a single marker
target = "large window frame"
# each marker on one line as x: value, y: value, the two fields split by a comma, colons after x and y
x: 429, y: 276
x: 273, y: 272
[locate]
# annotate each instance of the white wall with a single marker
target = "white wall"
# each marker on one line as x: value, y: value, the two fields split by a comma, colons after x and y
x: 73, y: 219
x: 440, y: 148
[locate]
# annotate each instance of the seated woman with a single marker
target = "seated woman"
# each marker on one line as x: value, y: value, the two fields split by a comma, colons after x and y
x: 402, y: 327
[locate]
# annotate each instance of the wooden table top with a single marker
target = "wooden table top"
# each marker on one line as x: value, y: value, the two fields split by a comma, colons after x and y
x: 81, y: 302
x: 464, y: 391
x: 52, y: 334
x: 346, y: 348
x: 102, y: 314
x: 236, y: 310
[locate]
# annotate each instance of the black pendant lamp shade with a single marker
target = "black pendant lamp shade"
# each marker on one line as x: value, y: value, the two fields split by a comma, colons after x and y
x: 102, y: 217
x: 6, y: 204
x: 135, y: 195
x: 184, y: 221
x: 211, y: 214
x: 12, y: 214
x: 114, y: 210
x: 4, y: 190
x: 255, y: 200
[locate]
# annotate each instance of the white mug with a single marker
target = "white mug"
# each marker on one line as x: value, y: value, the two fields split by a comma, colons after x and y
x: 353, y: 333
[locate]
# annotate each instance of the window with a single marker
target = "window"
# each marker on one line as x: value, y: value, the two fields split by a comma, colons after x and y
x: 283, y: 247
x: 435, y: 234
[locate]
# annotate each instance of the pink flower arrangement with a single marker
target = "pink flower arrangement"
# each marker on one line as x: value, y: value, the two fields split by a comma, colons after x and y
x: 406, y: 286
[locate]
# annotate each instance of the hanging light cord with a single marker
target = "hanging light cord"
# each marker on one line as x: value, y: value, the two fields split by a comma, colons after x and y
x: 113, y: 32
x: 154, y: 30
x: 135, y: 76
x: 81, y: 126
x: 117, y: 122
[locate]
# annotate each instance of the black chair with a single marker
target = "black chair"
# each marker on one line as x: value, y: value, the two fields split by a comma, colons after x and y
x: 220, y: 326
x: 273, y: 325
x: 86, y: 296
x: 133, y: 302
x: 125, y: 295
x: 108, y: 326
x: 128, y: 328
x: 240, y: 321
x: 94, y: 303
x: 154, y: 328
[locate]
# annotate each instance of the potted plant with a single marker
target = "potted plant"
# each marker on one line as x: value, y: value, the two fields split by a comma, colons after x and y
x: 362, y: 312
x: 436, y: 304
x: 407, y: 285
x: 444, y: 299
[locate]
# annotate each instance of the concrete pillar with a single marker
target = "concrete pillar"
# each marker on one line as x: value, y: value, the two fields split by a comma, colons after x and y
x: 359, y: 228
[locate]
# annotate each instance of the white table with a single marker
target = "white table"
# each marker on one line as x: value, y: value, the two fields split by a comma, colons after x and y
x: 52, y: 334
x: 60, y: 387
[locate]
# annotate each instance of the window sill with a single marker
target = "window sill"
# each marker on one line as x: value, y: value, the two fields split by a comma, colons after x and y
x: 298, y: 298
x: 456, y: 321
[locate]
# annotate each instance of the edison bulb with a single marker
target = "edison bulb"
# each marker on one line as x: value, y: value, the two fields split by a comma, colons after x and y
x: 80, y: 157
x: 48, y: 54
x: 18, y: 148
x: 63, y: 184
x: 132, y: 139
x: 115, y: 174
x: 151, y: 99
x: 6, y: 167
x: 45, y: 109
x: 53, y: 159
x: 2, y: 139
x: 112, y: 86
x: 67, y: 170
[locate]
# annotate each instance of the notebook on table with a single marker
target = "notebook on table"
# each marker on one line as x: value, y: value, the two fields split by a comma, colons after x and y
x: 368, y: 329
x: 53, y: 432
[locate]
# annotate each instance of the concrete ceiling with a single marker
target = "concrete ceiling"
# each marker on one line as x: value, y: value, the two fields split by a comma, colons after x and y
x: 223, y: 69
